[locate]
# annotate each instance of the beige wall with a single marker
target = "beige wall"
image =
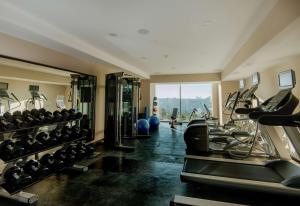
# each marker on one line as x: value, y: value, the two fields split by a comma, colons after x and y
x: 100, y: 106
x: 185, y: 78
x: 269, y: 85
x: 215, y: 99
x: 227, y: 87
x: 145, y: 94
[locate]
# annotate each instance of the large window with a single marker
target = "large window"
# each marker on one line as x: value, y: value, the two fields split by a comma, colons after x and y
x: 184, y: 97
x: 168, y: 96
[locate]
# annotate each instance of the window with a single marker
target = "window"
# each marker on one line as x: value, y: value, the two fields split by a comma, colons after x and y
x: 186, y: 97
x: 168, y: 96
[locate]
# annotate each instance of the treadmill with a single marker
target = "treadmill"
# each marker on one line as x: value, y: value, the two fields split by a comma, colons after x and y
x: 279, y: 176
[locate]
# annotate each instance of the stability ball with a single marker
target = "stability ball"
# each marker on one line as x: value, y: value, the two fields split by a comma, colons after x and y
x: 143, y: 126
x: 154, y: 122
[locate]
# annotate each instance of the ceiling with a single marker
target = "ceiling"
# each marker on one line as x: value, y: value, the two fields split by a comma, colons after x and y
x: 145, y: 37
x: 281, y: 48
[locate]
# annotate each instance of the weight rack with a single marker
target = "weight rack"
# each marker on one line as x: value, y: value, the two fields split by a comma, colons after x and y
x: 19, y: 195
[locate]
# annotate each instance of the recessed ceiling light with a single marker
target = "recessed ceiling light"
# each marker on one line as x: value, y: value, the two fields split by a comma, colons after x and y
x: 143, y: 31
x: 113, y: 34
x: 206, y: 23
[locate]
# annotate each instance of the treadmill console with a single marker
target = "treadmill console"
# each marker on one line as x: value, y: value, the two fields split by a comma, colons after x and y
x: 3, y: 90
x: 249, y: 94
x: 286, y: 82
x: 34, y: 90
x: 233, y: 98
x: 276, y: 101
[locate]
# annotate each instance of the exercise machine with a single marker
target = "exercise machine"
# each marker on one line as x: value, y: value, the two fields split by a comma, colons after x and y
x: 280, y: 175
x: 118, y: 113
x: 221, y: 138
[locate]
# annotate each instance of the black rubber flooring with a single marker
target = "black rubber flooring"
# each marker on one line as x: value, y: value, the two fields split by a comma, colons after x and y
x: 148, y: 176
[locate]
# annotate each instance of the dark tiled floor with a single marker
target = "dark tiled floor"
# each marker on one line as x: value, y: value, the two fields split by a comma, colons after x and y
x: 147, y: 176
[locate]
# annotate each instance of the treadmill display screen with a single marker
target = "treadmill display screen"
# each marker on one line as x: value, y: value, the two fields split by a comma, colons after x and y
x: 34, y: 88
x: 286, y: 79
x: 255, y: 79
x: 242, y: 84
x: 3, y: 86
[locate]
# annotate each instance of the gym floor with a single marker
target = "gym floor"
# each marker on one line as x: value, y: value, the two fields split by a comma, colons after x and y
x: 148, y: 176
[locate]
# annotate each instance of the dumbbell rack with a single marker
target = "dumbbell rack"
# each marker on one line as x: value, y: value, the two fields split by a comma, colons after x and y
x: 19, y: 195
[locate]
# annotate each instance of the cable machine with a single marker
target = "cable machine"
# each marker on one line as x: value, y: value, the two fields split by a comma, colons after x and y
x: 122, y: 94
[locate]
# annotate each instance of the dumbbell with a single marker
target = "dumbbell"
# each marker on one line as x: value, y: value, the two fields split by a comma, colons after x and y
x: 57, y: 117
x: 9, y: 151
x: 28, y: 119
x: 66, y: 130
x: 56, y: 134
x: 47, y: 141
x: 35, y: 169
x: 15, y: 178
x: 54, y: 165
x: 11, y: 119
x: 39, y: 117
x: 48, y: 161
x: 78, y: 115
x: 30, y: 144
x: 48, y: 116
x: 6, y: 125
x: 65, y: 115
x: 76, y: 132
x: 60, y: 157
x: 90, y: 150
x: 70, y: 155
x: 80, y: 151
x: 72, y: 114
x: 17, y: 119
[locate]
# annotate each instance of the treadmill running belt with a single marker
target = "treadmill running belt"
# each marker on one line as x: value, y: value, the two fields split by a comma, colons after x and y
x: 232, y: 170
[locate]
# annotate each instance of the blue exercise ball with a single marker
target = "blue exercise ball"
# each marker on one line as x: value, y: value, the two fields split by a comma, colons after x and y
x: 143, y: 126
x: 154, y: 122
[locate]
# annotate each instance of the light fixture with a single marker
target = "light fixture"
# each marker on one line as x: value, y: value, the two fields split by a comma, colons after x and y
x: 206, y: 23
x: 143, y: 31
x: 113, y: 34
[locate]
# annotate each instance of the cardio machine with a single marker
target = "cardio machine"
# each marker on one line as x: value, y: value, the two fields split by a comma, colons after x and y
x: 284, y: 102
x: 281, y: 175
x: 220, y: 138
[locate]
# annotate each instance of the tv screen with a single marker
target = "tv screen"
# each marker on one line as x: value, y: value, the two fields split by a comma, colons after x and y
x: 3, y: 86
x: 286, y: 79
x: 242, y: 84
x: 255, y: 78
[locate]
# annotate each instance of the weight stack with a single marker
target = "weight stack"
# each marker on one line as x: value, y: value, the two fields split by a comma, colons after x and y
x: 196, y: 138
